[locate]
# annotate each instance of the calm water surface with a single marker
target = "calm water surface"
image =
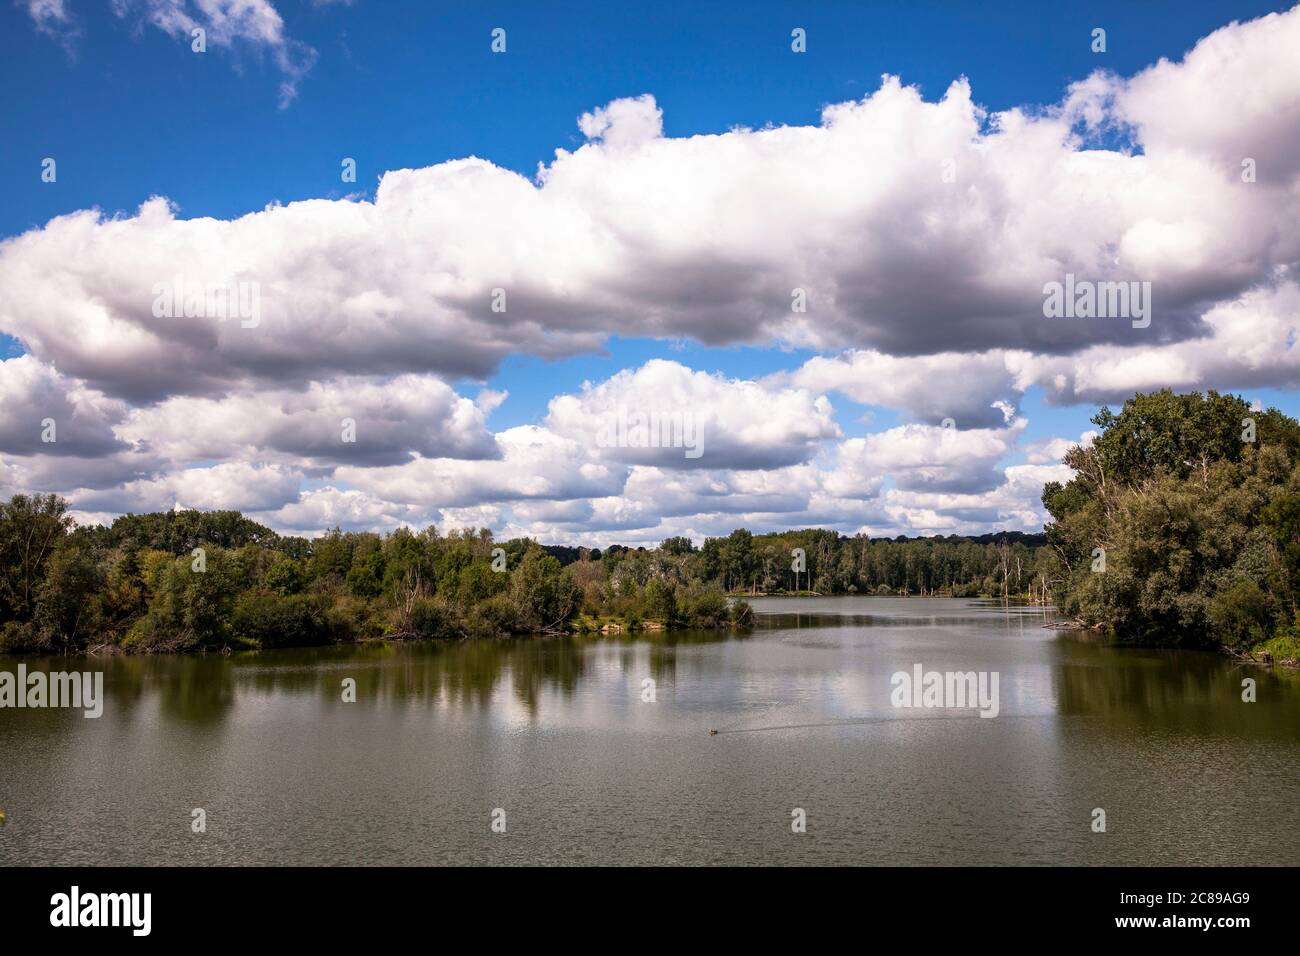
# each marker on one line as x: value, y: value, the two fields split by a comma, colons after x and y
x: 555, y: 732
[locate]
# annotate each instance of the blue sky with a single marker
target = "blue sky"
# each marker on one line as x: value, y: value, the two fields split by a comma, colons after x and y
x: 133, y: 113
x: 130, y: 113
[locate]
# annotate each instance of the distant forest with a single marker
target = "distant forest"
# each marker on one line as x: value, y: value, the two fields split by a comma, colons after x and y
x: 836, y: 564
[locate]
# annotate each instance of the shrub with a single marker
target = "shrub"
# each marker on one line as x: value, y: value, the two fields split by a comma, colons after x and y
x: 660, y: 601
x: 494, y: 617
x: 430, y: 619
x: 16, y: 637
x: 1284, y: 647
x: 742, y: 614
x: 279, y: 620
x: 705, y: 608
x: 1242, y: 616
x: 349, y: 618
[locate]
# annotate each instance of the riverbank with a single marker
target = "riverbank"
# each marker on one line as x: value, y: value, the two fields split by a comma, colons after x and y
x: 733, y: 615
x: 1023, y: 599
x: 1280, y: 651
x: 611, y: 624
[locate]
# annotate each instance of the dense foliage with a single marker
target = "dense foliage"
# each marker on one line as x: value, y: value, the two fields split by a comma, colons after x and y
x: 189, y: 580
x: 192, y: 580
x: 991, y: 564
x: 1182, y: 525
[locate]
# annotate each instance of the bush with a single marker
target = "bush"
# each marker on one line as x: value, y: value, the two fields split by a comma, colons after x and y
x: 595, y: 598
x: 349, y: 618
x: 742, y: 614
x: 1284, y: 647
x: 705, y: 608
x: 1242, y: 616
x: 430, y: 620
x: 16, y: 637
x: 660, y: 602
x: 278, y: 620
x: 494, y: 617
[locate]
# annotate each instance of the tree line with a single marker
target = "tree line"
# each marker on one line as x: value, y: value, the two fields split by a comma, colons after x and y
x: 818, y: 561
x: 195, y: 580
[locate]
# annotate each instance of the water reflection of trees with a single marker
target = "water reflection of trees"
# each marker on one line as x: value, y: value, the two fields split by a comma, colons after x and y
x: 197, y: 690
x: 1142, y: 688
x: 203, y: 689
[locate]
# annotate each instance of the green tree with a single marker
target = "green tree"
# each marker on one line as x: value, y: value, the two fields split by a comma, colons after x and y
x: 189, y: 608
x: 544, y: 598
x: 68, y: 598
x: 1178, y: 528
x: 31, y: 528
x: 660, y: 601
x: 677, y: 546
x: 1282, y: 519
x: 285, y: 576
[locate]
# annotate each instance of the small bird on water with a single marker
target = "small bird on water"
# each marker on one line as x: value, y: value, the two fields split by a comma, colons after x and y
x: 2, y: 818
x: 713, y: 733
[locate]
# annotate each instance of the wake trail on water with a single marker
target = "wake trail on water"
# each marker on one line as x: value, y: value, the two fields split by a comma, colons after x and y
x: 854, y: 721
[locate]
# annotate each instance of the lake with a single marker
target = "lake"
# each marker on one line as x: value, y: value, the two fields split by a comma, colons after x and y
x: 558, y: 736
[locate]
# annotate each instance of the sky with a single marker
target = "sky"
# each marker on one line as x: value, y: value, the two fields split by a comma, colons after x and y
x: 814, y: 242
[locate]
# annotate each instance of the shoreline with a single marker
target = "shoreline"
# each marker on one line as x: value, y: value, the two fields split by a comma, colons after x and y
x: 614, y: 626
x: 611, y: 627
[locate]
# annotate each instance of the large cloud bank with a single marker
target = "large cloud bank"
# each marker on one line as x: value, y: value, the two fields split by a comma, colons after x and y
x: 908, y: 241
